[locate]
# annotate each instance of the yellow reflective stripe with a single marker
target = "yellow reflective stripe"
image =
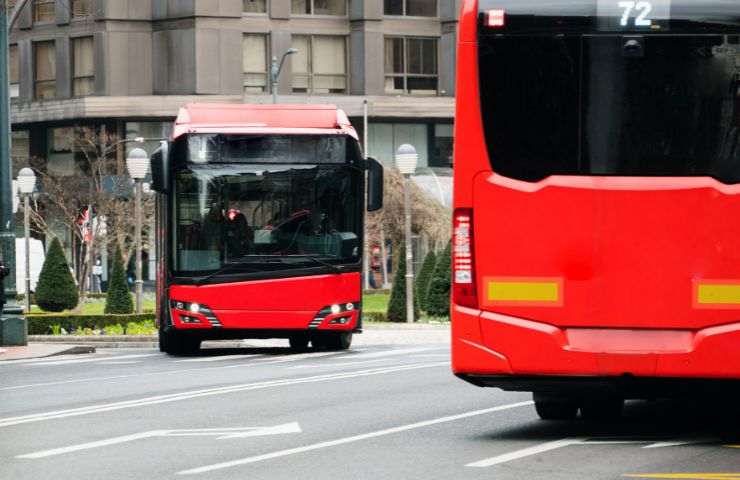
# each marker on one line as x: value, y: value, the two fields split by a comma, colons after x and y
x: 510, y: 291
x: 688, y: 476
x: 718, y: 294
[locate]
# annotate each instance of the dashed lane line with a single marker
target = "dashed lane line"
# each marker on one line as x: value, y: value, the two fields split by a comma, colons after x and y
x: 176, y: 397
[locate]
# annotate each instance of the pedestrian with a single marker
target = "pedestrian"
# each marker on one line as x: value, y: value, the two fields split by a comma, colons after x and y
x: 4, y: 272
x: 97, y: 276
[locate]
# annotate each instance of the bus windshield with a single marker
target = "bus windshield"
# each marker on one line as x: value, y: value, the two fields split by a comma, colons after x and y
x: 265, y: 217
x: 610, y: 104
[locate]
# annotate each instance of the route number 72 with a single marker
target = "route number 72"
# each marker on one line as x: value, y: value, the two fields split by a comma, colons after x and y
x: 641, y: 11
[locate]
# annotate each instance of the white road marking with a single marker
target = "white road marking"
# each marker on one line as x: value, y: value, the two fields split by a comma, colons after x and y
x: 342, y: 364
x: 176, y: 397
x: 525, y: 452
x: 218, y: 358
x: 566, y: 442
x: 221, y: 433
x: 355, y: 438
x: 431, y: 355
x: 91, y: 360
x: 389, y: 353
x: 256, y: 363
x: 124, y: 362
x: 679, y: 443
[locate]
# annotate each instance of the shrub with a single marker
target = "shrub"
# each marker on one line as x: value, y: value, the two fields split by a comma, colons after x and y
x: 438, y: 293
x: 119, y: 299
x: 46, y: 324
x: 397, y: 303
x: 56, y: 290
x: 422, y: 280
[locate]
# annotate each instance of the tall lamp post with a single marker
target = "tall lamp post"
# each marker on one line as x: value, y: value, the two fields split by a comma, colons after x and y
x: 275, y: 70
x: 137, y: 163
x: 26, y: 185
x: 406, y: 161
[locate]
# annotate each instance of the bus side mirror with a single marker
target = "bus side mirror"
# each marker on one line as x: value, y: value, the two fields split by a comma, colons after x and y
x: 374, y: 185
x: 160, y: 164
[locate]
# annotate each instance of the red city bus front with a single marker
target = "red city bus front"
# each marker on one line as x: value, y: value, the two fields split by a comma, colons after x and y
x: 597, y: 174
x: 260, y: 220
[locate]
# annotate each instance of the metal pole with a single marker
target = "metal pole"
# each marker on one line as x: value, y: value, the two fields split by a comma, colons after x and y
x: 409, y: 252
x: 274, y: 78
x: 139, y: 281
x: 7, y: 229
x: 27, y: 232
x: 365, y: 248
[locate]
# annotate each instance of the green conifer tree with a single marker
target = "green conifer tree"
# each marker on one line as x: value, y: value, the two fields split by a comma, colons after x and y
x: 118, y: 300
x: 424, y: 277
x: 56, y: 290
x: 397, y: 302
x: 438, y: 293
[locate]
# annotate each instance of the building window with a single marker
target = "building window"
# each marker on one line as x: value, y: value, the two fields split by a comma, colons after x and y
x: 411, y: 8
x: 442, y: 144
x: 411, y: 66
x: 45, y: 70
x: 320, y: 66
x: 14, y: 73
x: 84, y: 66
x: 254, y: 6
x: 254, y: 61
x: 319, y: 7
x: 43, y: 11
x: 81, y: 8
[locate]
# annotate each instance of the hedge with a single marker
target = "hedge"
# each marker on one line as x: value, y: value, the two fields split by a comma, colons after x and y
x: 42, y: 324
x: 397, y: 302
x: 423, y: 279
x: 438, y: 292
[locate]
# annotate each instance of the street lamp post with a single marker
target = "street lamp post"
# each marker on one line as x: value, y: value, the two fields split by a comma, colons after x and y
x: 275, y: 69
x: 137, y: 163
x: 26, y: 185
x: 406, y: 161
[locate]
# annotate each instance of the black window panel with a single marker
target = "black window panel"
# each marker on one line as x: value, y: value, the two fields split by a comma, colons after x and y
x: 393, y: 7
x: 586, y: 105
x: 421, y: 8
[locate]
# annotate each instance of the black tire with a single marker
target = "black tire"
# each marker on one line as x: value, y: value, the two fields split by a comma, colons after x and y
x: 555, y: 408
x: 175, y: 343
x: 299, y: 342
x: 602, y: 409
x: 332, y: 341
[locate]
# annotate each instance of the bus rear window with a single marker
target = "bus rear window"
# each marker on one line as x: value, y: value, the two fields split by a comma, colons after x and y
x: 620, y: 105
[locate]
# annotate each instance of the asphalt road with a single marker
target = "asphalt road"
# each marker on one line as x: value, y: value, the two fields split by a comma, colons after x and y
x: 377, y: 412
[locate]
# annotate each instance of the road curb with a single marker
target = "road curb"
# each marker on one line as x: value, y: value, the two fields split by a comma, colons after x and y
x: 74, y: 349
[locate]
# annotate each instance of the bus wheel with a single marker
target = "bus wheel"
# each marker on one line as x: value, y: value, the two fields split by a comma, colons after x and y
x: 602, y: 409
x: 332, y: 340
x: 173, y: 343
x: 552, y: 408
x: 299, y: 342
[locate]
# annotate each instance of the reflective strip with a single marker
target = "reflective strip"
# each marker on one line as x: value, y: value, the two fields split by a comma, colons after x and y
x: 721, y: 294
x: 523, y: 291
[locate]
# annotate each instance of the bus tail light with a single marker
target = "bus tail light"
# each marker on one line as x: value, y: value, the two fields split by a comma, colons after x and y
x: 463, y: 264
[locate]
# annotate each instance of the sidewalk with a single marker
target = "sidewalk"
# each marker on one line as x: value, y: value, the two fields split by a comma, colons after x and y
x: 374, y: 334
x: 41, y: 350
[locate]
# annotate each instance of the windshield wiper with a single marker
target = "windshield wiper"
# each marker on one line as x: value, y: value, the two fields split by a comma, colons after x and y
x: 228, y: 267
x: 336, y: 269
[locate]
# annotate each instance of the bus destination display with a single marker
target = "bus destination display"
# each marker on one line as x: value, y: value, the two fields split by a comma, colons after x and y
x: 634, y: 15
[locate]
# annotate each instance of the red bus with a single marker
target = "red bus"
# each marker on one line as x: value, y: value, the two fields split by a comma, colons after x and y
x: 597, y: 191
x: 260, y: 226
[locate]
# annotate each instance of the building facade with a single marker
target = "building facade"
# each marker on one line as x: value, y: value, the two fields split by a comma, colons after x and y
x: 127, y: 66
x: 132, y: 63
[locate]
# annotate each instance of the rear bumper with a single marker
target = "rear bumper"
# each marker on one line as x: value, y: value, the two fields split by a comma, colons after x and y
x: 624, y: 386
x: 489, y: 345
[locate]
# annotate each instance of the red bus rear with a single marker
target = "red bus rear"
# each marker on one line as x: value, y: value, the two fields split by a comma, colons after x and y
x: 260, y: 226
x: 597, y: 179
